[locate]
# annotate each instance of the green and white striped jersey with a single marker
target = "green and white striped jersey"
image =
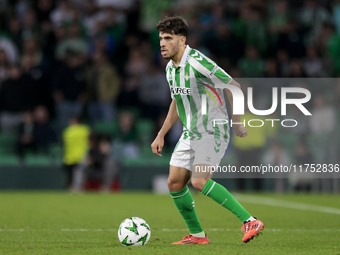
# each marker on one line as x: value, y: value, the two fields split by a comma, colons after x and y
x: 192, y: 84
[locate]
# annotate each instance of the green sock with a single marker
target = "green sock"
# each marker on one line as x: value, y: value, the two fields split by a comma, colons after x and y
x: 221, y: 195
x: 186, y: 206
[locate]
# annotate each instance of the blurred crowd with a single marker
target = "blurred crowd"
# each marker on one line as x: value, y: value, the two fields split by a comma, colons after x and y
x: 71, y: 61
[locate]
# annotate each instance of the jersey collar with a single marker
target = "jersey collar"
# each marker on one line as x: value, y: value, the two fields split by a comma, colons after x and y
x: 184, y: 57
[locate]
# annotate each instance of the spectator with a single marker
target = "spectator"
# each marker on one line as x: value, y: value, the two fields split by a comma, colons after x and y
x: 126, y: 143
x: 302, y: 181
x: 278, y: 20
x: 62, y: 14
x: 235, y: 72
x: 253, y: 29
x: 121, y: 55
x: 15, y: 33
x: 210, y: 20
x: 302, y: 129
x: 103, y: 85
x: 332, y: 46
x: 323, y: 117
x: 137, y: 64
x: 34, y: 80
x: 43, y: 10
x: 100, y: 43
x: 12, y: 110
x: 26, y: 136
x: 35, y: 132
x: 129, y: 95
x: 303, y: 155
x: 194, y: 42
x: 312, y: 64
x: 292, y: 40
x: 117, y: 4
x: 98, y: 165
x: 10, y: 49
x: 313, y: 16
x: 4, y: 67
x: 79, y: 4
x: 284, y: 63
x: 114, y: 27
x: 272, y: 70
x: 150, y: 13
x: 74, y: 42
x: 29, y: 25
x: 224, y: 44
x: 336, y: 14
x: 297, y: 69
x: 324, y: 37
x: 277, y: 156
x: 251, y: 66
x: 20, y: 9
x: 92, y: 16
x: 58, y: 34
x: 75, y: 140
x: 44, y: 134
x: 322, y: 124
x: 154, y: 93
x: 68, y: 88
x: 195, y: 30
x: 47, y: 41
x: 30, y: 47
x: 135, y: 67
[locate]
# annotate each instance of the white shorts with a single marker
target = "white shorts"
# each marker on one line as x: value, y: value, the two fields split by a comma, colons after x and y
x: 206, y: 151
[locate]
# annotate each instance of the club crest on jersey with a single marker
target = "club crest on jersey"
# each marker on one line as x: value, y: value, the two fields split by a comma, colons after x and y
x: 181, y: 91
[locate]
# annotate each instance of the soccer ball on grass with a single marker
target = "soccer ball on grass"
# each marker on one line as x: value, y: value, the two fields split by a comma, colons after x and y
x: 134, y: 231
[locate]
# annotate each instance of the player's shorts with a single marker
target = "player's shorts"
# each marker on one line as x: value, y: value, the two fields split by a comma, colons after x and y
x: 207, y: 151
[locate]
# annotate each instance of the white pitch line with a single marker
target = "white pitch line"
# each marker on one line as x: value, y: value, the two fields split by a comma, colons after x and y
x: 11, y: 229
x: 80, y: 229
x: 285, y: 204
x: 271, y: 230
x: 174, y: 230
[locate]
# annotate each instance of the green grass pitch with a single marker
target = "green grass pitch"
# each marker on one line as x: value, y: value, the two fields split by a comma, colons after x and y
x: 62, y: 223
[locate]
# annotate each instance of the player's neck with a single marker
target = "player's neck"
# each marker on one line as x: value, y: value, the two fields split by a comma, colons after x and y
x: 176, y: 60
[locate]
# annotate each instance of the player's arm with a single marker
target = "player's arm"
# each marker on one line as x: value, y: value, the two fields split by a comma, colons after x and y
x: 170, y: 120
x: 239, y: 129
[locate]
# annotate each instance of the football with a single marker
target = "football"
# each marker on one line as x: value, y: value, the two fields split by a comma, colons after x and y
x: 134, y: 231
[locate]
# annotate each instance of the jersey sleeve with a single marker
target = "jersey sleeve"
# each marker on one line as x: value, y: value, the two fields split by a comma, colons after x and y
x: 220, y: 75
x: 205, y: 68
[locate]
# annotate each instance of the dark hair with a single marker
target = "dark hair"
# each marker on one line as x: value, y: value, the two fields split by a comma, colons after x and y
x: 173, y: 25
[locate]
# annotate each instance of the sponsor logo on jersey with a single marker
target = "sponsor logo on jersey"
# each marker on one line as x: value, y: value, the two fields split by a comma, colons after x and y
x: 181, y: 91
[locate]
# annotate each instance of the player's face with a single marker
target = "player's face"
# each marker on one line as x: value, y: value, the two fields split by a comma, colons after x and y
x: 169, y: 44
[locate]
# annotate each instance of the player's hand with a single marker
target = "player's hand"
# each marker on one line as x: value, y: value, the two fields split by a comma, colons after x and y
x: 157, y: 145
x: 240, y: 130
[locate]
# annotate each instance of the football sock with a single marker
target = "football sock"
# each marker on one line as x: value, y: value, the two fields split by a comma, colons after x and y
x: 199, y: 235
x: 186, y: 206
x: 250, y: 219
x: 221, y: 195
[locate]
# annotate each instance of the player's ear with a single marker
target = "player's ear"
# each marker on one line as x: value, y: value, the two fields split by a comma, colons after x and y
x: 183, y: 40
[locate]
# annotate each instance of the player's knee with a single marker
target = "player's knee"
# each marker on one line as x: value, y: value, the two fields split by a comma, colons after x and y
x: 175, y: 185
x: 198, y: 183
